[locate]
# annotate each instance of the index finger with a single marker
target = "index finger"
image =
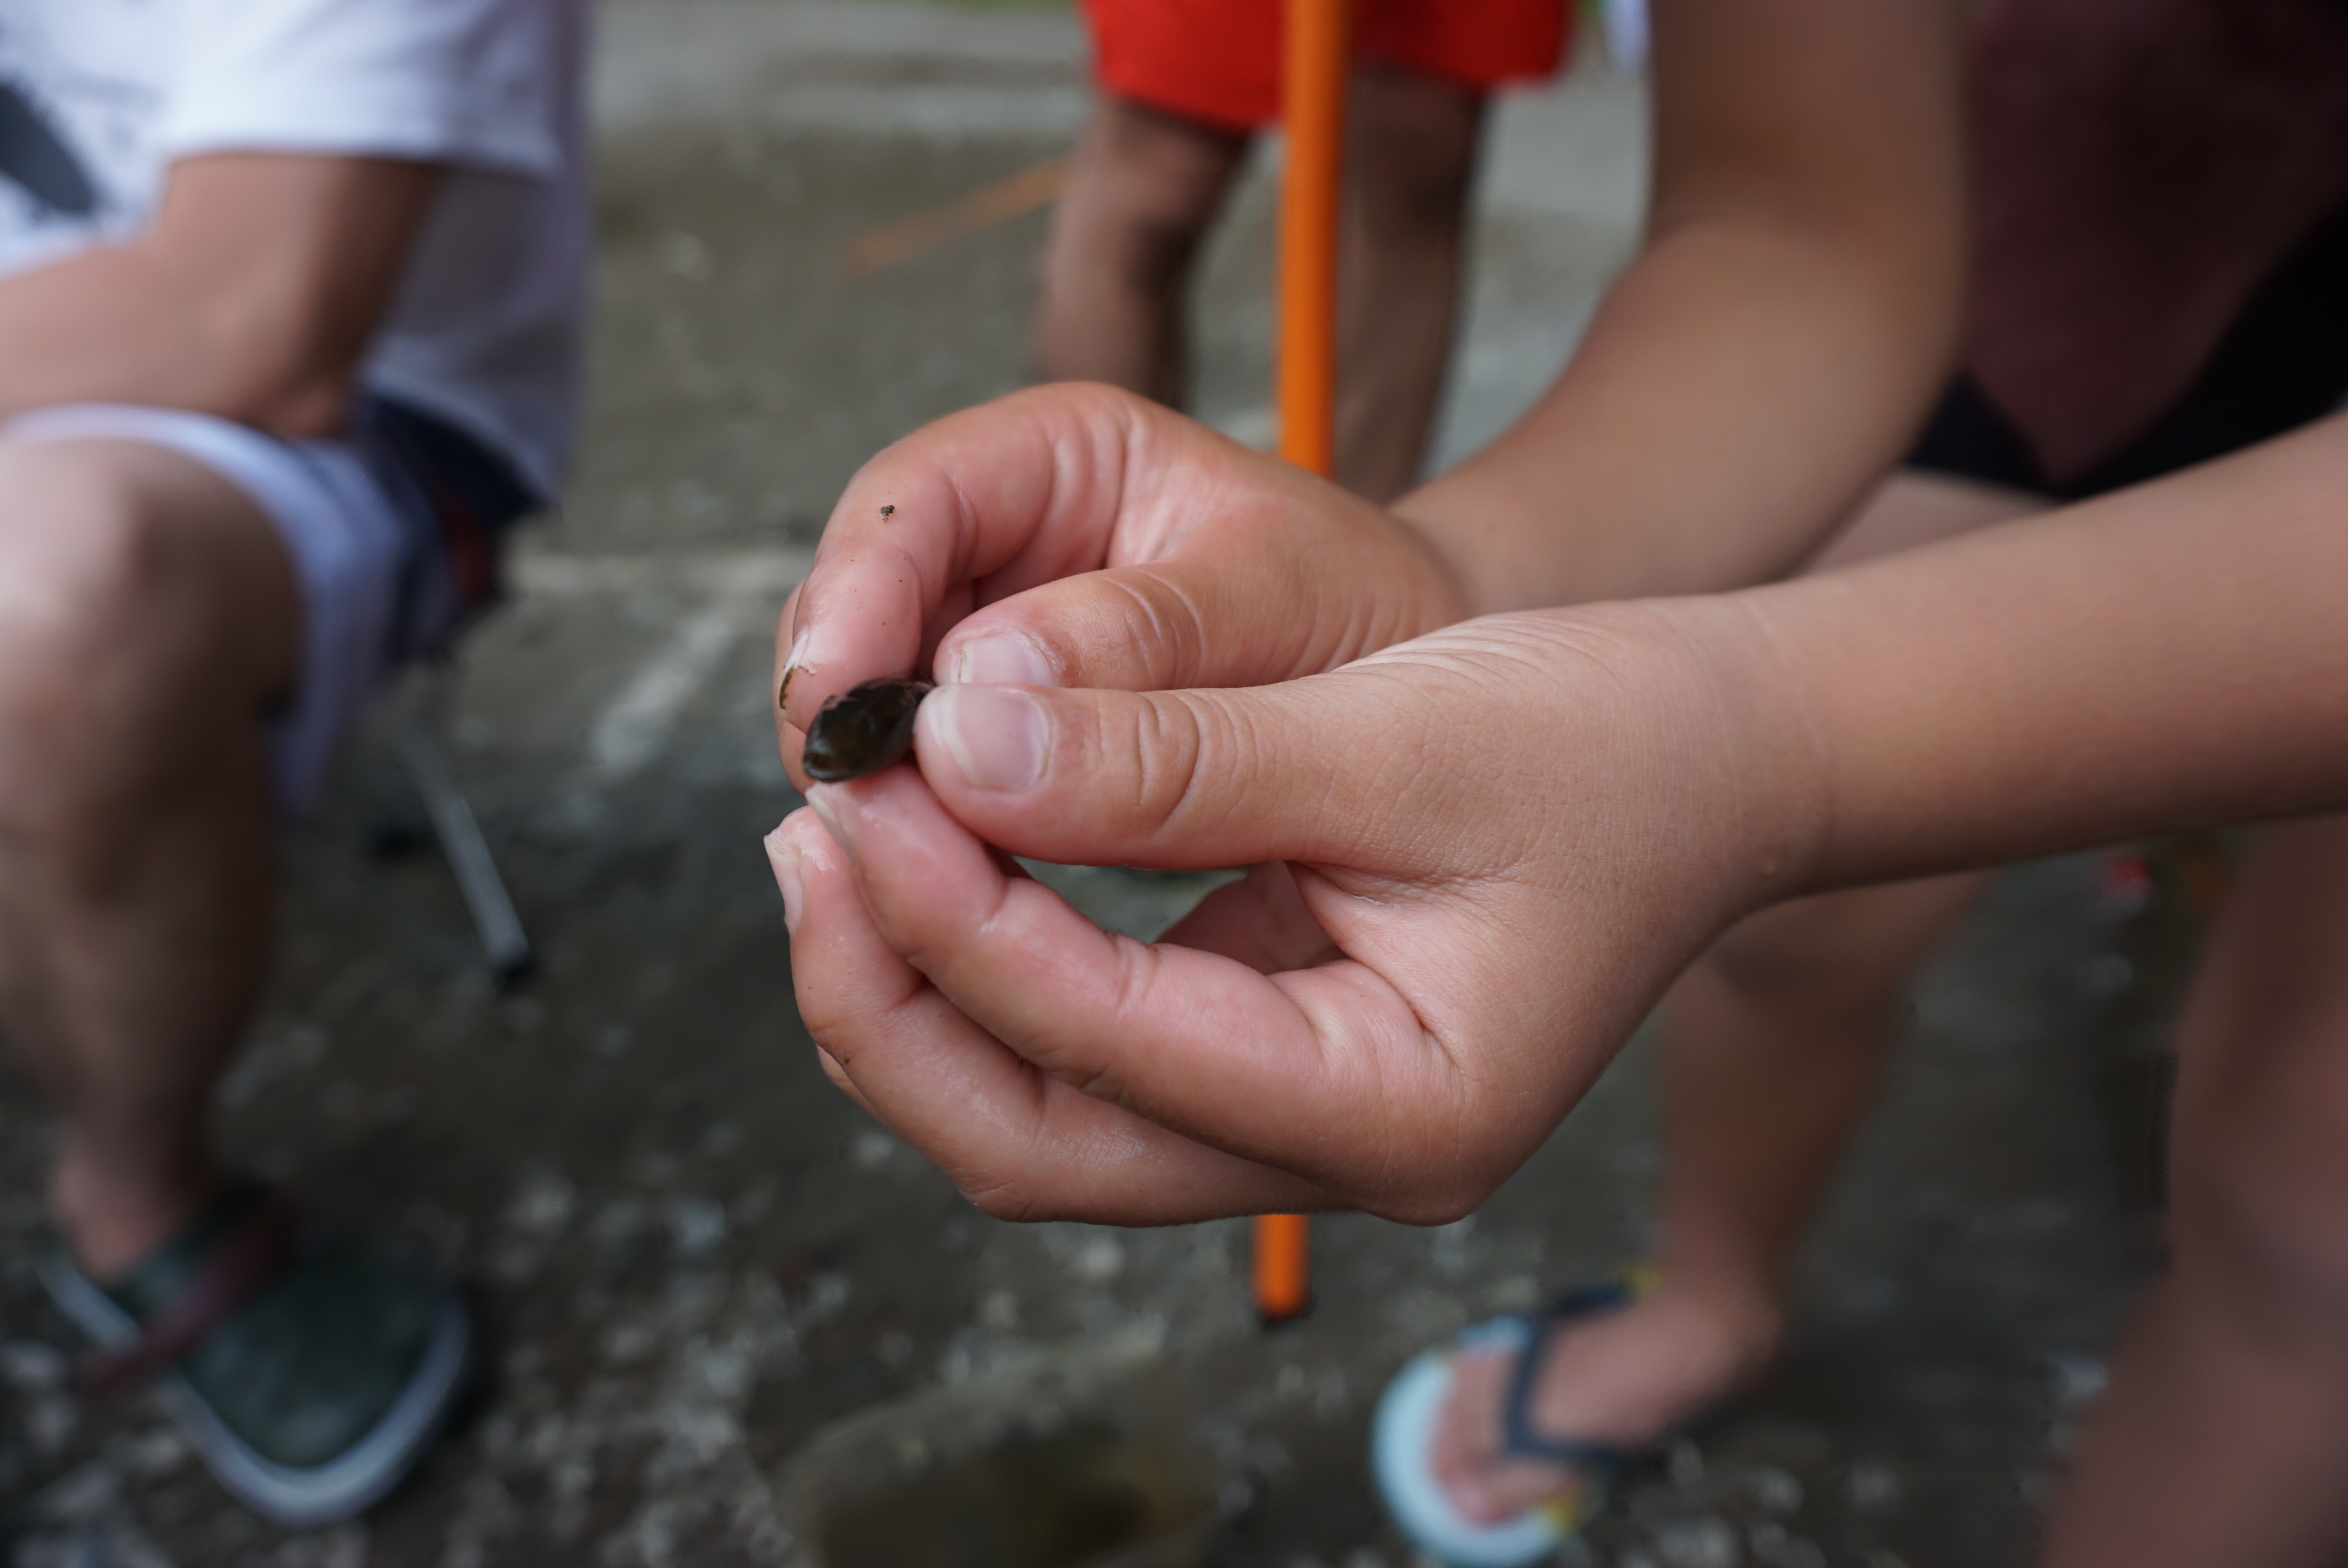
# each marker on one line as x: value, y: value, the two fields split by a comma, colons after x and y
x: 1328, y: 1074
x: 1019, y: 1144
x: 1021, y: 491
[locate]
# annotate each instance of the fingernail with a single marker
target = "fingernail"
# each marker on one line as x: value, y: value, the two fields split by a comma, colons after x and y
x: 996, y: 734
x: 785, y: 862
x: 791, y: 662
x: 828, y: 799
x: 1001, y: 660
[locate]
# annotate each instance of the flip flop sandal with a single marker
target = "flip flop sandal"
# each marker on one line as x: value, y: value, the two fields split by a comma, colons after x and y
x: 308, y: 1373
x: 1403, y: 1436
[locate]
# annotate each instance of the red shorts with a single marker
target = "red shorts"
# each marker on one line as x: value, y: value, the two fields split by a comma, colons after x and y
x: 1218, y: 60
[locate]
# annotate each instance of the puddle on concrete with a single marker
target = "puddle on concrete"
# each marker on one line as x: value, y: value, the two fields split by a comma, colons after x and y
x: 1071, y: 1499
x: 1082, y: 1457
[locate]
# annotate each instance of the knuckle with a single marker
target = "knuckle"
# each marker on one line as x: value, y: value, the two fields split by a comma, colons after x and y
x: 1114, y: 408
x: 1164, y: 740
x: 1446, y: 1151
x: 828, y: 1022
x: 1440, y: 1203
x: 1012, y: 1199
x: 995, y: 1200
x: 843, y: 1017
x: 1161, y: 626
x: 822, y: 1017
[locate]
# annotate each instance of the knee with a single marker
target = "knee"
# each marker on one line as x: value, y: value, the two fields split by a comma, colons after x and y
x: 81, y: 558
x: 1145, y: 191
x: 1799, y: 959
x: 1414, y: 142
x: 1151, y: 251
x: 83, y: 576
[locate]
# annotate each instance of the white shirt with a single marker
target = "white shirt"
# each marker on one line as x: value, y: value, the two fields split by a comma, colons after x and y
x: 97, y: 96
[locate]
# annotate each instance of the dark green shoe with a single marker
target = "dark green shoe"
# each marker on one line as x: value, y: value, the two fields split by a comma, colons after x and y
x: 308, y: 1372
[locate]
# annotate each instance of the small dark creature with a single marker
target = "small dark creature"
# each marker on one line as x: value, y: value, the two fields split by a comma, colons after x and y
x: 889, y: 511
x: 863, y: 729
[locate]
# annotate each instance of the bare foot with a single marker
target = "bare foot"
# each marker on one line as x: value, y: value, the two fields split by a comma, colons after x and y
x: 1628, y: 1378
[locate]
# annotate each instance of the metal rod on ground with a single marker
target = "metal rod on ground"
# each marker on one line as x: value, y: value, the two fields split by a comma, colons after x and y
x: 503, y: 941
x: 1317, y: 50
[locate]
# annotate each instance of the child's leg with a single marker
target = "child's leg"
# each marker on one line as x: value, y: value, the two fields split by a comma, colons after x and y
x: 1774, y: 1042
x: 148, y: 619
x: 2224, y: 1439
x: 1413, y: 146
x: 1141, y: 191
x: 1773, y: 1046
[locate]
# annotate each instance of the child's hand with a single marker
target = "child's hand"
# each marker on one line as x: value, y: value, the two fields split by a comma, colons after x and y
x: 1489, y: 849
x: 1079, y: 536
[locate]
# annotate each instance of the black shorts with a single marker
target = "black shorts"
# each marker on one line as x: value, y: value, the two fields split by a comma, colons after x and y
x: 465, y: 498
x: 2282, y: 364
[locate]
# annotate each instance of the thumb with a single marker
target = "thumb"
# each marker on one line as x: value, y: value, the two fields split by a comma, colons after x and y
x: 1170, y: 779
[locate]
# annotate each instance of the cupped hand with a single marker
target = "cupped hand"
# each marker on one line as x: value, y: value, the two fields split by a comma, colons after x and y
x: 1482, y: 855
x: 1075, y: 535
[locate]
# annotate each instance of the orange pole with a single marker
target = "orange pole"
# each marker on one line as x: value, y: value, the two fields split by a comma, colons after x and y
x: 1283, y: 1268
x: 1314, y: 115
x: 1317, y: 51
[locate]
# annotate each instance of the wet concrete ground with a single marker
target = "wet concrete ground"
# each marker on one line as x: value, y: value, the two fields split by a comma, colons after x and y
x: 696, y: 1257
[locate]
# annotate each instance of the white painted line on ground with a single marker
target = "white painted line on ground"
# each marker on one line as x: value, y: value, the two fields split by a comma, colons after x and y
x: 737, y: 592
x: 639, y: 719
x: 845, y: 67
x: 943, y: 112
x: 773, y: 572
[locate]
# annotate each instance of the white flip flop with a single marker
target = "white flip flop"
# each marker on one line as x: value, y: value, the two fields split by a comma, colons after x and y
x: 1402, y: 1440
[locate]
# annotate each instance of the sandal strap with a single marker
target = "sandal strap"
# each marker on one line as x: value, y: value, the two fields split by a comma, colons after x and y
x: 1518, y: 1436
x: 246, y: 1259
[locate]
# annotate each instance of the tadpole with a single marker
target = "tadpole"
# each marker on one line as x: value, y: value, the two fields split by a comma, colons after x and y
x: 863, y: 729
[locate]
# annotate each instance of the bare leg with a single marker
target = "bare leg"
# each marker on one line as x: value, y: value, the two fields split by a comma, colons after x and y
x: 2224, y: 1439
x: 147, y: 615
x: 1141, y: 191
x: 1414, y: 141
x: 1773, y: 1047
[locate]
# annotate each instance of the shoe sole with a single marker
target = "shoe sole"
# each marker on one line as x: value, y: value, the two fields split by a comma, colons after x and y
x: 297, y: 1498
